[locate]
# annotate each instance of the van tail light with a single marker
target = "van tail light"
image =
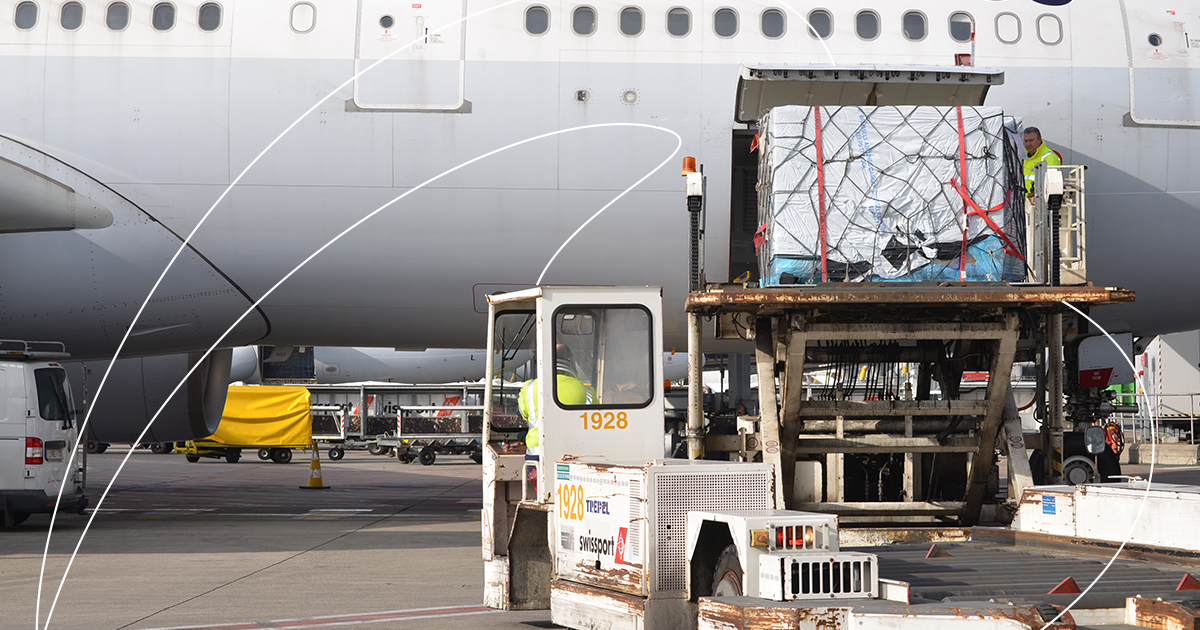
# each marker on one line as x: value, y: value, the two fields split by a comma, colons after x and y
x: 33, y: 451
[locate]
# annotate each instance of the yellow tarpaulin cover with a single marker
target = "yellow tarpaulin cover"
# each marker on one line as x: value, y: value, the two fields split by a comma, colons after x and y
x: 265, y: 416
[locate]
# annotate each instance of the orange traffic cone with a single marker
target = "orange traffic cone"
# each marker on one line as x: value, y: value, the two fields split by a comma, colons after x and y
x: 315, y: 482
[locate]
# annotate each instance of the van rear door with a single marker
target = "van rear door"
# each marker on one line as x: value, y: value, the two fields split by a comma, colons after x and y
x: 54, y: 425
x: 12, y: 427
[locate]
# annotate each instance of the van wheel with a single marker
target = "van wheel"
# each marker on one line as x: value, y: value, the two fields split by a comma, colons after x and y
x: 264, y: 454
x: 12, y: 519
x: 727, y: 579
x: 337, y: 453
x: 281, y: 455
x: 233, y: 456
x: 193, y: 458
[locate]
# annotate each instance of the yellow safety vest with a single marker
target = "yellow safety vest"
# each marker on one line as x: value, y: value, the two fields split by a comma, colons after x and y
x: 1042, y: 154
x: 571, y: 391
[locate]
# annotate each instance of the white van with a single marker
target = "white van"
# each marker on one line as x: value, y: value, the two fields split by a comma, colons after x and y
x: 37, y: 432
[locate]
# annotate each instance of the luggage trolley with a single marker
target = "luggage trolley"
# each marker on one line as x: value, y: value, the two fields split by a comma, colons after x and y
x: 453, y: 429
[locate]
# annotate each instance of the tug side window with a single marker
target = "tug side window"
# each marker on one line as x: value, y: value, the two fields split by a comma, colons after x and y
x: 603, y: 357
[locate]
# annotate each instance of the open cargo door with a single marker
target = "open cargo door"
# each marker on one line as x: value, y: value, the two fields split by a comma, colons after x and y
x: 765, y: 86
x: 427, y: 73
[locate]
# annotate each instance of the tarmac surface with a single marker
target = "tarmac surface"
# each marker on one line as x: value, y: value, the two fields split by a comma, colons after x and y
x: 218, y: 545
x: 241, y: 546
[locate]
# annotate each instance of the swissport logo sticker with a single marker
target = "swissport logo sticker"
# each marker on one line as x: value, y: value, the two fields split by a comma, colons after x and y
x: 619, y: 556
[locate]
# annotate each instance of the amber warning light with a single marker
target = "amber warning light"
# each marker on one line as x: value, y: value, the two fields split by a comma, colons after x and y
x: 689, y: 165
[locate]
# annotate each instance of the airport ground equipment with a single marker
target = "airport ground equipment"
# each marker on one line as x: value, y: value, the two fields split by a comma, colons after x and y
x: 38, y: 430
x: 416, y: 421
x: 256, y: 417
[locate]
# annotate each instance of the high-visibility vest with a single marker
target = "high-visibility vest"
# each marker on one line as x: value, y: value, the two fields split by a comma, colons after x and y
x: 1042, y: 154
x: 571, y: 391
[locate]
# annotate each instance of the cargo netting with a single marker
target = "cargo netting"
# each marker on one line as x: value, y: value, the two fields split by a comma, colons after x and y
x: 890, y: 193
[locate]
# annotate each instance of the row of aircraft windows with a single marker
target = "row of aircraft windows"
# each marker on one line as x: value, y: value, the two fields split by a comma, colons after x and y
x: 162, y: 17
x: 773, y: 24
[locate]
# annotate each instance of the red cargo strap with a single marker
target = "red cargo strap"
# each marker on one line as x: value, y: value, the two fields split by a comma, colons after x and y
x: 821, y: 195
x: 1009, y: 247
x: 760, y: 237
x: 962, y: 172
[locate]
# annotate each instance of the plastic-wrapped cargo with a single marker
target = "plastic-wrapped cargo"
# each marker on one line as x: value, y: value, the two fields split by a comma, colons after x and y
x: 875, y: 194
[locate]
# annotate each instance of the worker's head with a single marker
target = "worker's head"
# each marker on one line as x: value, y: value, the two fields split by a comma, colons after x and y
x: 1033, y: 139
x: 564, y: 361
x: 562, y: 352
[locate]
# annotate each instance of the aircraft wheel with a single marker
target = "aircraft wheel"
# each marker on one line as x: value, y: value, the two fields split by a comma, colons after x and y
x: 427, y: 457
x: 281, y: 455
x: 233, y: 456
x: 193, y: 458
x: 264, y: 454
x: 337, y: 453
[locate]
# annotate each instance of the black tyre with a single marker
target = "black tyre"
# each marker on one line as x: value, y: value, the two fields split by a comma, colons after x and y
x: 427, y: 457
x: 193, y: 458
x: 1036, y: 461
x: 264, y: 454
x: 93, y: 447
x: 727, y: 579
x: 233, y: 456
x: 159, y: 448
x: 12, y: 519
x: 375, y: 448
x: 477, y: 457
x: 404, y: 457
x: 337, y: 453
x: 281, y: 455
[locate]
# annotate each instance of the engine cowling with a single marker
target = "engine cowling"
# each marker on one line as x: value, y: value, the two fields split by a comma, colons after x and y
x: 137, y: 387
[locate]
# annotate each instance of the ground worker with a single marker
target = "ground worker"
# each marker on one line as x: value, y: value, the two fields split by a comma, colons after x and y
x: 1036, y: 151
x: 570, y: 391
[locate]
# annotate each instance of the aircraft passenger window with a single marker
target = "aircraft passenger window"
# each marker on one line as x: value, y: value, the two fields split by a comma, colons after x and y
x: 210, y: 17
x: 1008, y: 28
x: 866, y: 24
x: 117, y: 17
x: 679, y: 22
x: 26, y: 17
x: 773, y: 23
x: 820, y: 24
x: 163, y: 17
x: 631, y: 21
x: 71, y: 16
x: 960, y: 27
x: 725, y: 23
x: 603, y: 358
x: 537, y: 20
x: 304, y: 17
x: 583, y: 21
x: 1049, y: 29
x: 914, y: 26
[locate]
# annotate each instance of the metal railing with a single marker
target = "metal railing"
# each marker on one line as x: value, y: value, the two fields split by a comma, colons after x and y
x: 1171, y: 411
x: 1068, y: 242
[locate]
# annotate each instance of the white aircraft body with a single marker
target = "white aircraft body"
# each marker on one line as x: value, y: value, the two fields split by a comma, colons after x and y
x: 121, y: 127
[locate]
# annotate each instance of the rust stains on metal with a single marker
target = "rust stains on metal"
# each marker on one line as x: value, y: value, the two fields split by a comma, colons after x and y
x: 717, y: 615
x: 877, y: 536
x: 1032, y: 619
x: 1150, y: 613
x: 948, y: 294
x: 623, y: 580
x: 622, y: 602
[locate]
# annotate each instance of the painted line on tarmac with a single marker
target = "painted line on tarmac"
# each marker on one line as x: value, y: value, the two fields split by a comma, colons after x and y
x: 348, y: 619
